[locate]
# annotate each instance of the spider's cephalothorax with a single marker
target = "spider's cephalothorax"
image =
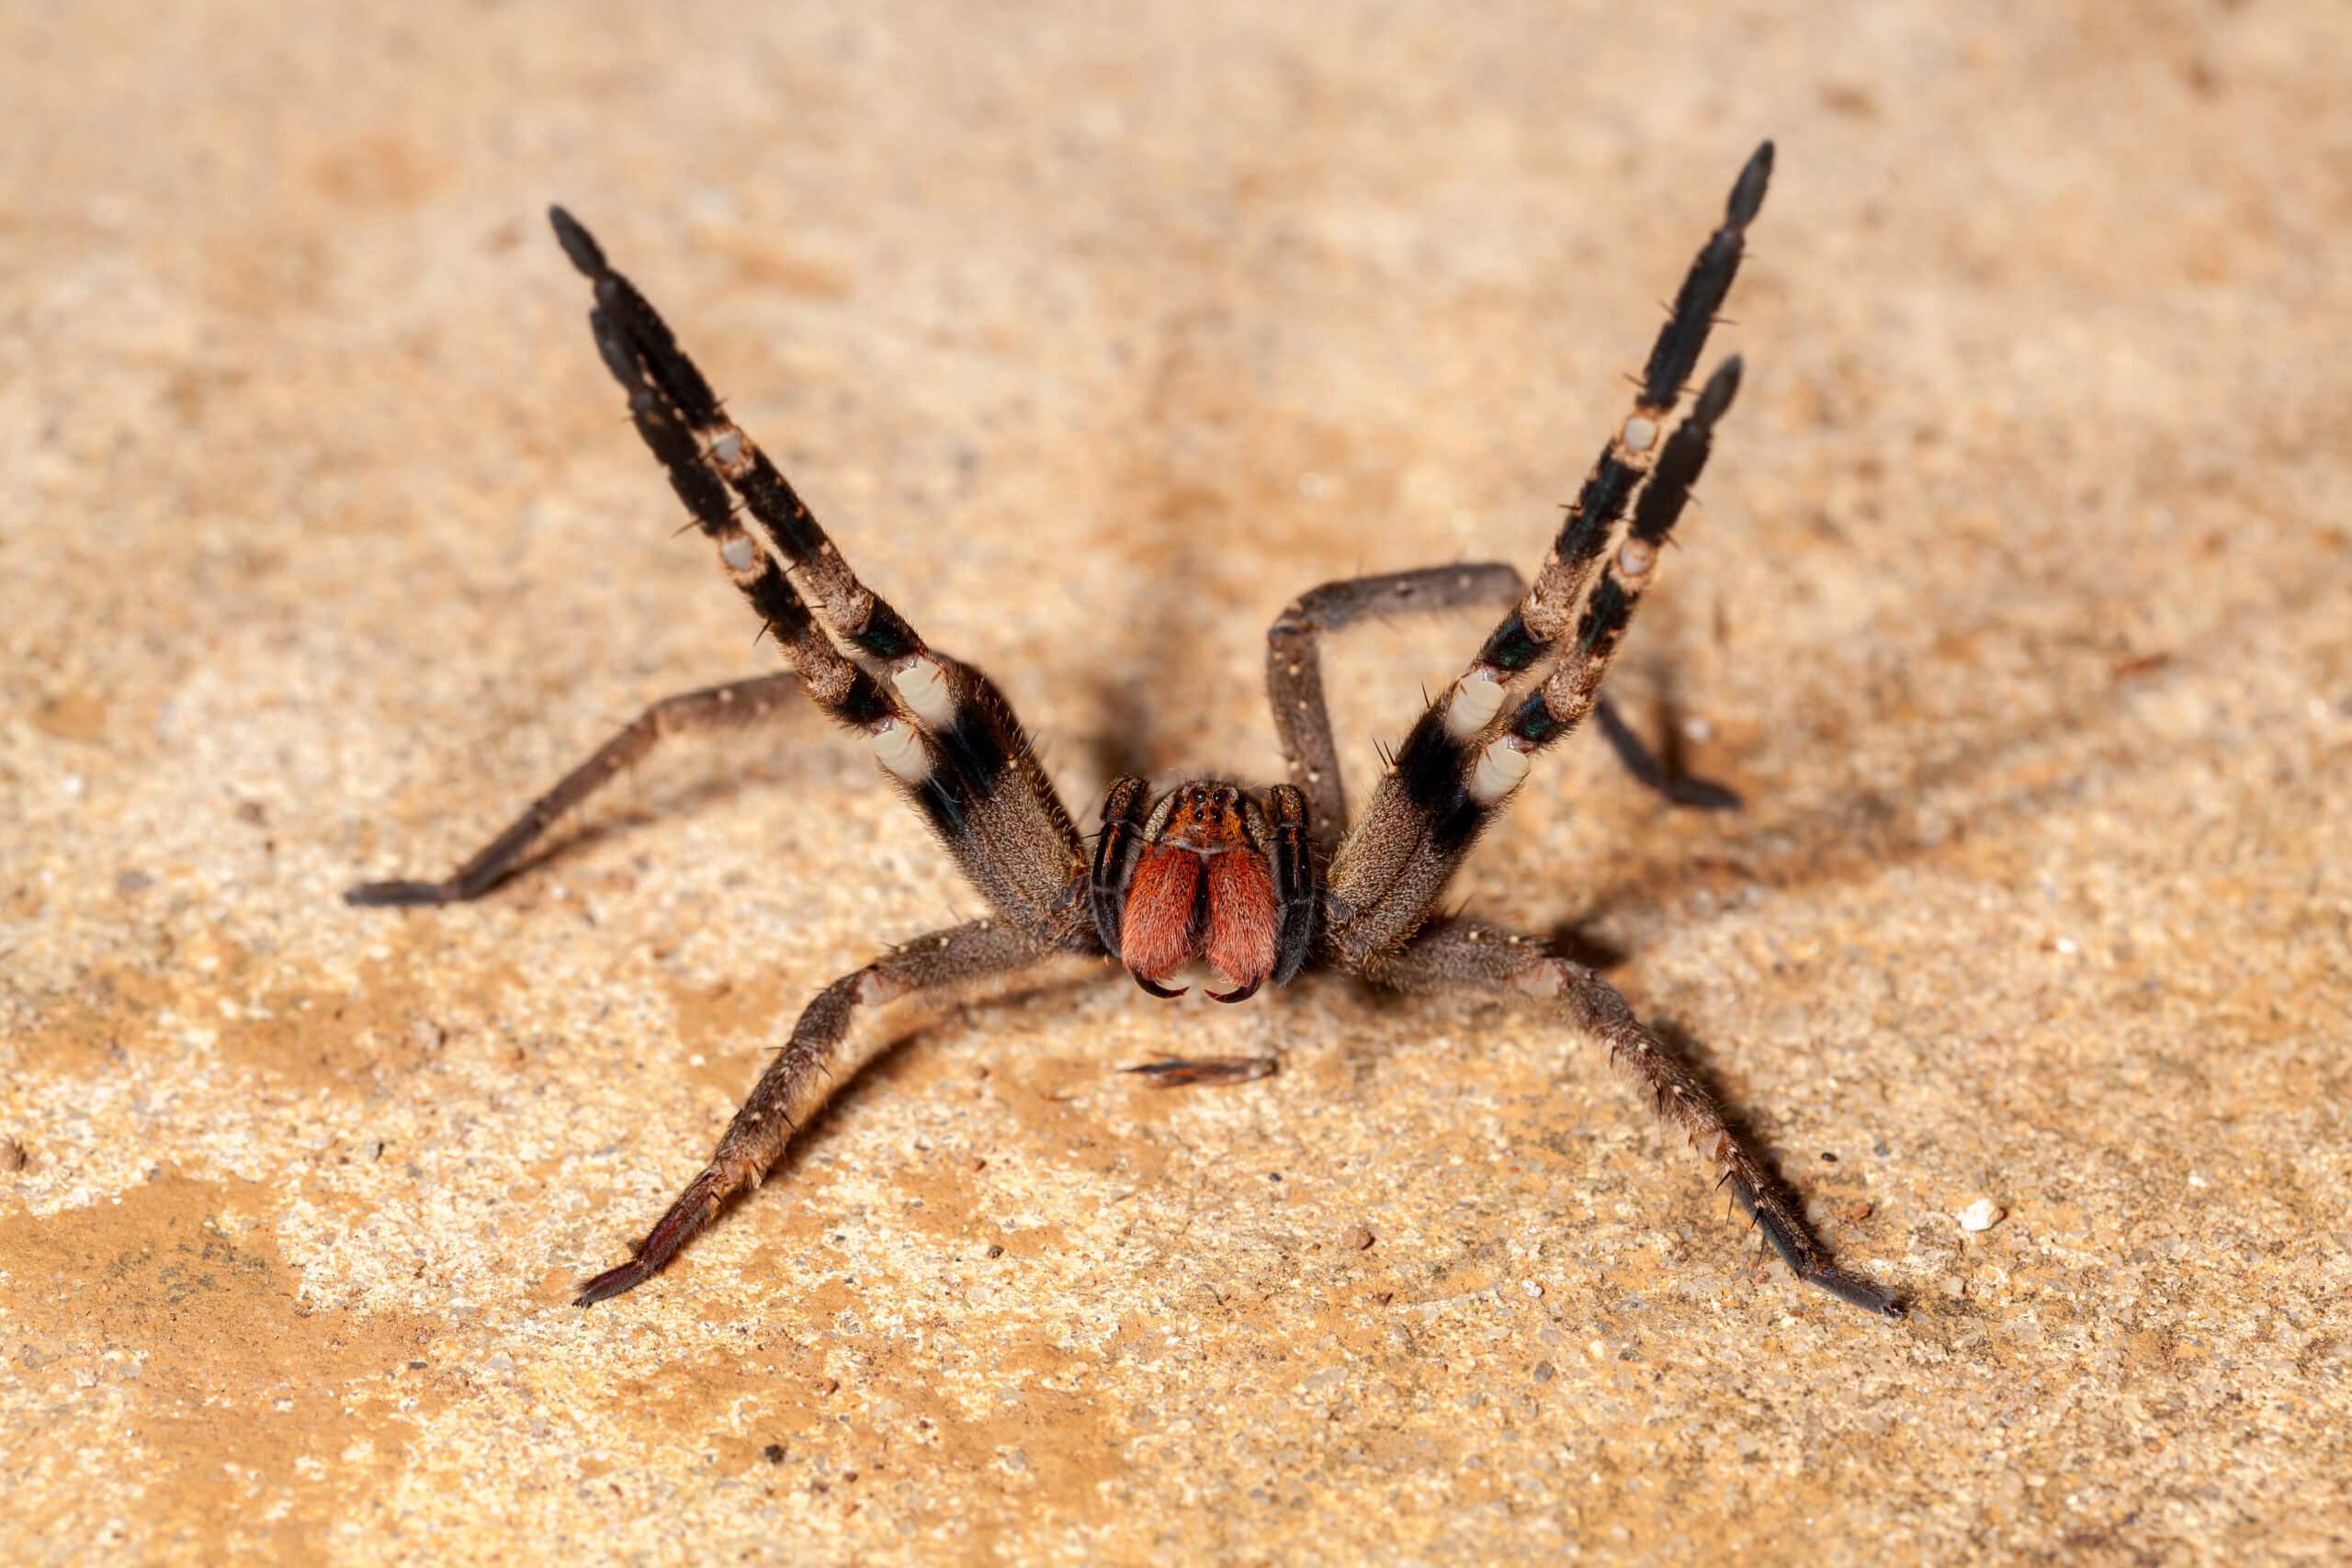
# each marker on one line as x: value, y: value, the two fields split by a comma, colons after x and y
x: 1258, y: 886
x: 1207, y: 872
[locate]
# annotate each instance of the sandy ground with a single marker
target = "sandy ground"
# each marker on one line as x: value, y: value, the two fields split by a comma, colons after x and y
x: 2018, y: 607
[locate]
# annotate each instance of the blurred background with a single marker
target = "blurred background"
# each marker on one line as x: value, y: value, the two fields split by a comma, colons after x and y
x: 2016, y: 609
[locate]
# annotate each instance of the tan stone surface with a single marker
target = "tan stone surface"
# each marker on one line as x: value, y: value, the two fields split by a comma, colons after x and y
x: 2020, y: 606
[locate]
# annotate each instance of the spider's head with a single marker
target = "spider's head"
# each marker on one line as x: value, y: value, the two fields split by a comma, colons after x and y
x: 1206, y: 872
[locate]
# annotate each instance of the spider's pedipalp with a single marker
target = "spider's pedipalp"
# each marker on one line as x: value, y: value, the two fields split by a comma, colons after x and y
x: 1298, y: 882
x: 1115, y: 850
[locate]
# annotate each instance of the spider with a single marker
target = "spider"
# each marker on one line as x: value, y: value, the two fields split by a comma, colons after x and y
x: 1260, y: 885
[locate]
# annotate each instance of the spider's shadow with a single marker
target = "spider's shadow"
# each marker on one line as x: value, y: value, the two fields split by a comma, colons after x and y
x: 1572, y: 939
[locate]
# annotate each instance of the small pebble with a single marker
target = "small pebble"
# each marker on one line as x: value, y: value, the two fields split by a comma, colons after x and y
x: 1533, y: 1288
x: 1857, y: 1213
x: 1359, y: 1238
x: 12, y: 1154
x: 1981, y: 1215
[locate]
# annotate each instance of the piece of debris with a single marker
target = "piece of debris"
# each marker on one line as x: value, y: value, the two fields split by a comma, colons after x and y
x: 1359, y: 1238
x: 12, y: 1154
x: 1981, y: 1215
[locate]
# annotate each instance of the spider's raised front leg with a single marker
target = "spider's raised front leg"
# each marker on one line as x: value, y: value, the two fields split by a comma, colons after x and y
x: 1471, y: 748
x: 1474, y: 746
x: 805, y: 1073
x: 939, y: 726
x: 732, y: 705
x: 1463, y: 955
x: 1303, y: 721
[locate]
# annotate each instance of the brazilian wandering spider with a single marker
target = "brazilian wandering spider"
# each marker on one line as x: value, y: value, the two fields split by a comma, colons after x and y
x: 1260, y: 887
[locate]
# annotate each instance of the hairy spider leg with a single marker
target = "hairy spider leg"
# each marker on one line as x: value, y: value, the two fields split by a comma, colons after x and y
x: 941, y: 728
x: 803, y: 1075
x: 844, y: 691
x: 731, y: 704
x: 1303, y: 721
x: 1294, y: 662
x: 1465, y: 755
x: 1466, y: 955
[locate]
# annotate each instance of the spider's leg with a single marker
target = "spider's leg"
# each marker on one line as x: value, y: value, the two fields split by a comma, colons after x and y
x: 940, y: 727
x: 1468, y: 752
x: 735, y: 704
x: 1302, y: 723
x: 1294, y: 661
x: 812, y: 1064
x: 1463, y: 955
